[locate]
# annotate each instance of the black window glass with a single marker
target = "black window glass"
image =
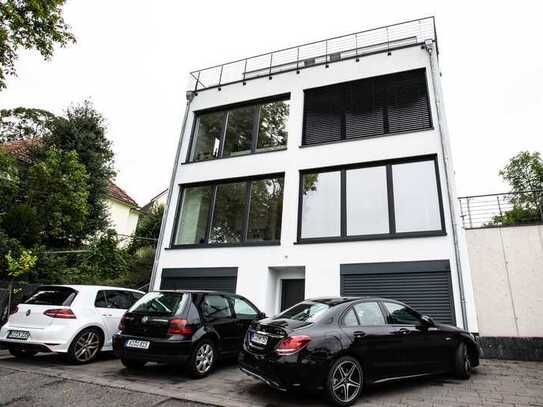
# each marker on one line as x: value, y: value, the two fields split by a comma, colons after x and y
x: 228, y: 213
x: 239, y: 131
x: 119, y: 299
x: 207, y: 137
x: 400, y: 314
x: 243, y: 309
x: 100, y: 301
x: 369, y: 313
x: 215, y: 307
x: 161, y: 303
x: 266, y: 209
x: 192, y: 223
x: 349, y: 319
x: 61, y: 296
x: 304, y: 311
x: 272, y: 127
x: 324, y: 114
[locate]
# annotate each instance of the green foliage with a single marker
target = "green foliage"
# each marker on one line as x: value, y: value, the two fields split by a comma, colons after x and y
x: 24, y: 123
x: 524, y: 174
x: 21, y: 265
x: 58, y: 189
x: 30, y: 24
x: 83, y: 130
x: 9, y: 182
x: 148, y: 229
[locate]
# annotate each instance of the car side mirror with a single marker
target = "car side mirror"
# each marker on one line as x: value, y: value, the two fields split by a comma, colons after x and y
x: 427, y: 321
x: 261, y: 315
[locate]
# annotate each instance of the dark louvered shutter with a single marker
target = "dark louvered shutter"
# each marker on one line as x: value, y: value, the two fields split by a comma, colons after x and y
x: 367, y: 107
x: 213, y: 279
x: 407, y: 101
x: 427, y: 290
x: 324, y: 109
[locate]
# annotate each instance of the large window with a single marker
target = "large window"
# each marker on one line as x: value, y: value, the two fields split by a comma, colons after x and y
x: 246, y: 129
x: 398, y: 198
x: 233, y: 212
x: 367, y: 107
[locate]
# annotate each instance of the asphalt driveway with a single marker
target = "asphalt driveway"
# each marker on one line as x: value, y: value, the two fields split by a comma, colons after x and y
x: 48, y: 380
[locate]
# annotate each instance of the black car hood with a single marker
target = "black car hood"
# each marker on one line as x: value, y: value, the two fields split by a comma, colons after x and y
x: 284, y: 323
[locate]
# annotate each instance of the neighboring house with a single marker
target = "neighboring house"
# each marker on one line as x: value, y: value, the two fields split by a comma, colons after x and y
x: 321, y: 170
x: 159, y: 200
x: 122, y: 209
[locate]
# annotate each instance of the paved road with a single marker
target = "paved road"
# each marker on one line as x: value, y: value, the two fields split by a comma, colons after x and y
x: 48, y: 381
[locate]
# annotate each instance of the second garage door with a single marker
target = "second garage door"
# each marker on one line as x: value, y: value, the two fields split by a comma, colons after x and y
x: 424, y: 285
x: 213, y: 279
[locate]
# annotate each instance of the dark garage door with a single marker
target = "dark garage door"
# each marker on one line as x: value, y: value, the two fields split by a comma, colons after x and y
x: 424, y: 285
x: 215, y: 279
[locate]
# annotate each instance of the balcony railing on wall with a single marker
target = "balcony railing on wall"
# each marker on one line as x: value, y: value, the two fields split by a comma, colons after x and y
x: 505, y: 209
x: 325, y: 52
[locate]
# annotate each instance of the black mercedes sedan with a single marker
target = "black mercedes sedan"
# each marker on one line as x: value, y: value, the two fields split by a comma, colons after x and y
x: 185, y: 328
x: 340, y: 345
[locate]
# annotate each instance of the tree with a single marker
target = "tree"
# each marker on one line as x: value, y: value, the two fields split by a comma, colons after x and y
x: 83, y: 130
x: 524, y: 174
x: 30, y: 24
x: 9, y: 182
x: 24, y: 123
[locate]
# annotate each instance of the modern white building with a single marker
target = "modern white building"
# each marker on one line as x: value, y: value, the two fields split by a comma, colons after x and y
x: 323, y: 169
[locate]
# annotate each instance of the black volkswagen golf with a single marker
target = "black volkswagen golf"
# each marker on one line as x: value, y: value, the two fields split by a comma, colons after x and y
x: 339, y: 345
x: 192, y: 328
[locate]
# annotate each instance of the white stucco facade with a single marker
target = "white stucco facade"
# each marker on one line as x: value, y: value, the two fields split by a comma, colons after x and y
x: 123, y: 218
x: 261, y: 268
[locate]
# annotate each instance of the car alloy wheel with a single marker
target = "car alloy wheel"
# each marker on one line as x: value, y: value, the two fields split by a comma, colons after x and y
x: 87, y: 346
x: 467, y: 362
x: 204, y: 358
x: 346, y: 381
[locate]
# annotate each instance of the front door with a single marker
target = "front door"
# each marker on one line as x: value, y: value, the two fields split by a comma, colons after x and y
x: 292, y: 292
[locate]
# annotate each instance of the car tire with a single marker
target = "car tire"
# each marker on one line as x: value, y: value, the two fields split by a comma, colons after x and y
x: 86, y: 346
x: 21, y: 353
x: 345, y: 381
x: 203, y: 359
x: 462, y: 362
x: 133, y: 364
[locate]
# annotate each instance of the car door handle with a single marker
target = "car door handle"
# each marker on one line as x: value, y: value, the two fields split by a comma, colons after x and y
x: 359, y: 334
x: 107, y: 315
x: 402, y: 331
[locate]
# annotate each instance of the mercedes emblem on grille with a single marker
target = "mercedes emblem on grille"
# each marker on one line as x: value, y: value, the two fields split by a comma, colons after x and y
x: 144, y: 320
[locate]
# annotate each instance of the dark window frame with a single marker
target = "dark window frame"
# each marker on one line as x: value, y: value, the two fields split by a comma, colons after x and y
x: 226, y: 109
x: 246, y: 213
x: 386, y: 130
x: 392, y: 234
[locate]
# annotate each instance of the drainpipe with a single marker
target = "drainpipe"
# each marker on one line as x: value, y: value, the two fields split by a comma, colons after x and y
x: 434, y: 68
x: 190, y: 96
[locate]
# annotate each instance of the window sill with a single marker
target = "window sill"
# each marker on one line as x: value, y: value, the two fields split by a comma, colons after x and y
x: 367, y: 137
x: 221, y: 245
x: 235, y: 156
x: 361, y: 238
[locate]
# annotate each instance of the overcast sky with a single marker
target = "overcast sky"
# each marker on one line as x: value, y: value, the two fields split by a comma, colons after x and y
x: 132, y: 58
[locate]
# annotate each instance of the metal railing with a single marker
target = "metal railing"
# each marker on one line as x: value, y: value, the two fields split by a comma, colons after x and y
x: 325, y: 52
x: 505, y: 209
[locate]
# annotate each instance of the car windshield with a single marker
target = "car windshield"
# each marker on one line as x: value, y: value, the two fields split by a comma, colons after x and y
x: 163, y: 303
x: 58, y: 296
x: 305, y: 311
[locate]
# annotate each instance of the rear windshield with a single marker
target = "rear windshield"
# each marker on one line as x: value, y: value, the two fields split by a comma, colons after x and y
x: 160, y: 303
x: 59, y: 296
x: 305, y: 311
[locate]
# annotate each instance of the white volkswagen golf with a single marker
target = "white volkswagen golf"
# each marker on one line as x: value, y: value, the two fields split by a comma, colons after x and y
x: 77, y: 320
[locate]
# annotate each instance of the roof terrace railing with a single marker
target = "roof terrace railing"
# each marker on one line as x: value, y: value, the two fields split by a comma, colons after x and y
x: 325, y: 52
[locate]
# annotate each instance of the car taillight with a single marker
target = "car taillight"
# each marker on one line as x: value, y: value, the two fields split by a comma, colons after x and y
x: 14, y: 310
x: 62, y: 313
x: 179, y: 327
x: 121, y: 323
x: 292, y: 344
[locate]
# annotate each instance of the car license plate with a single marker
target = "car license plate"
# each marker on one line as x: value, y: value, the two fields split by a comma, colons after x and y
x: 259, y: 339
x: 21, y: 335
x: 134, y: 343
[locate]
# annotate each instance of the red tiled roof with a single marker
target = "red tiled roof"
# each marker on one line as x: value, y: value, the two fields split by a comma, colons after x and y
x: 19, y: 149
x: 120, y: 195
